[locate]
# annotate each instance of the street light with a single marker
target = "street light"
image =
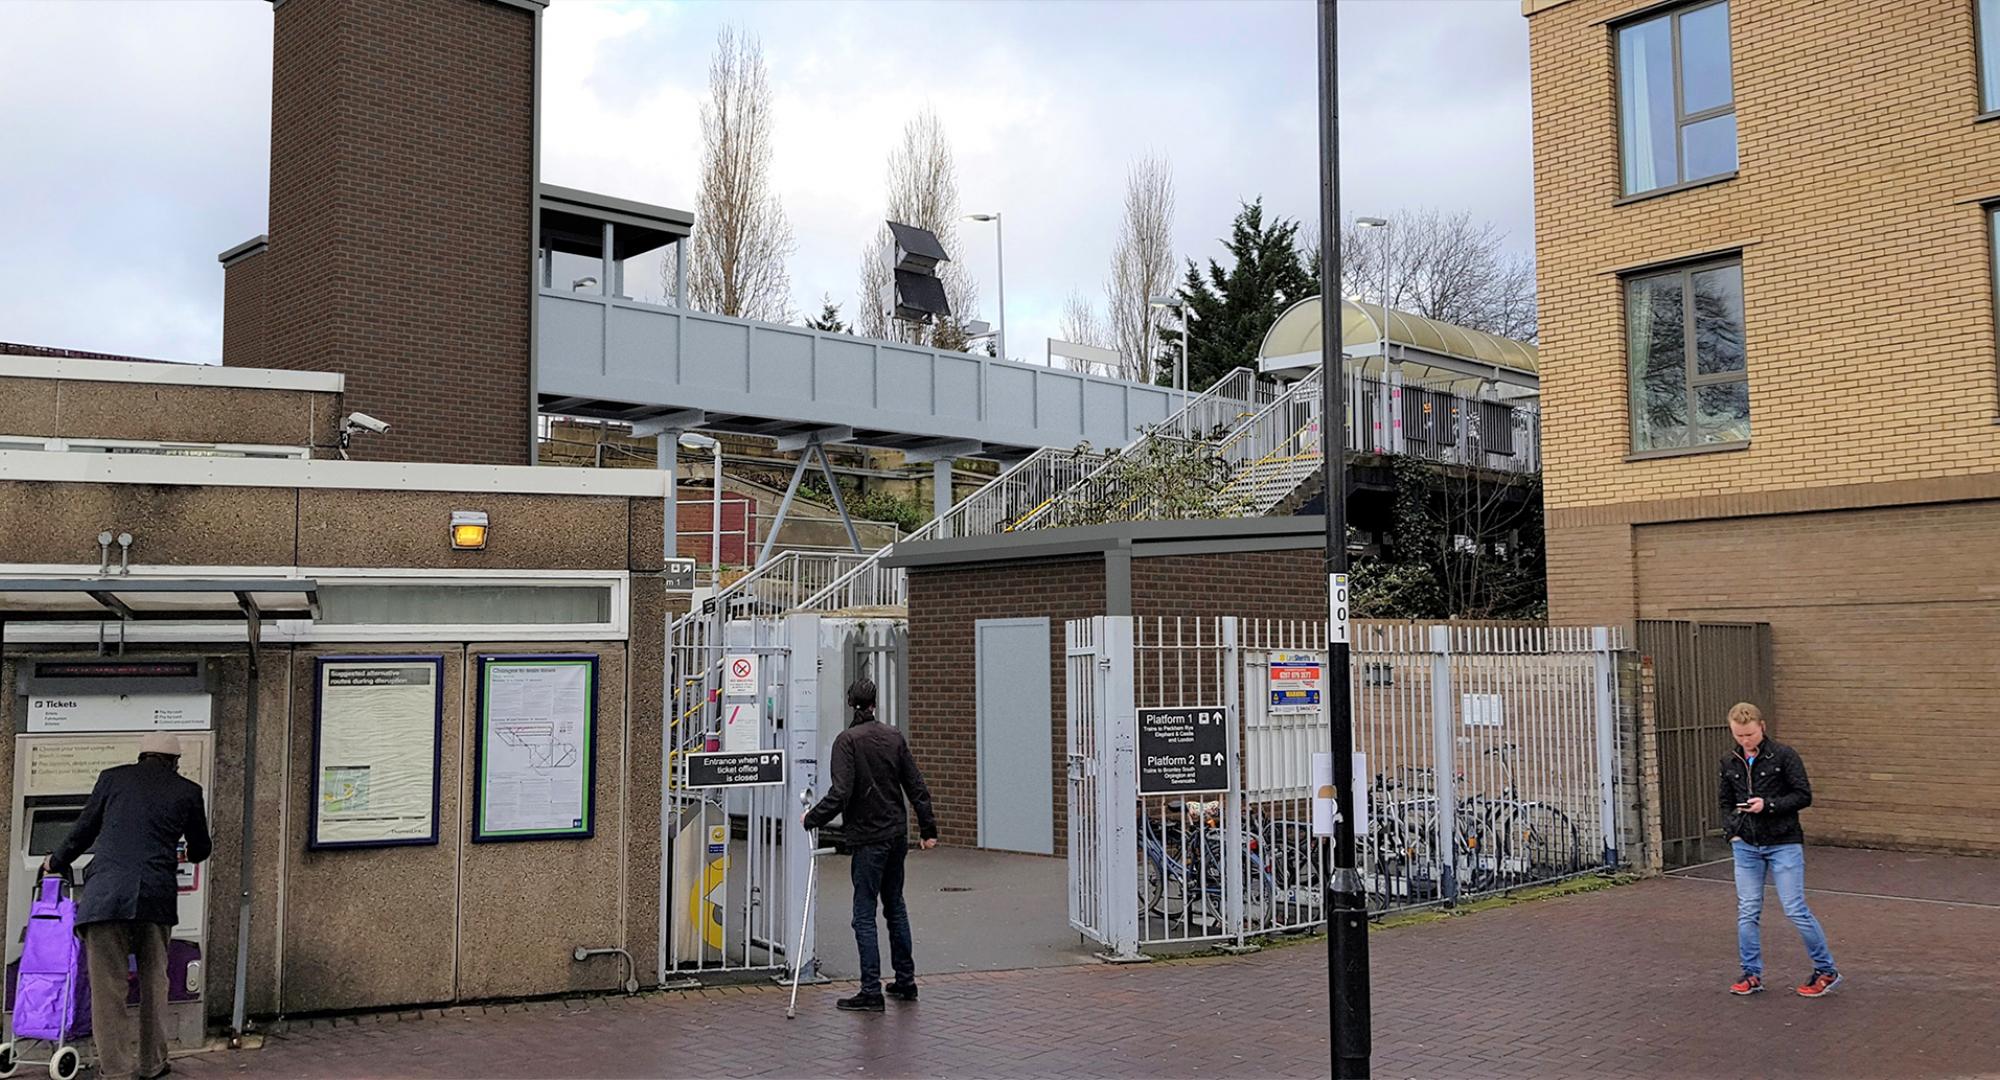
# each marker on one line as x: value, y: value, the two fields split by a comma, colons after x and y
x: 1187, y: 331
x: 1383, y: 224
x: 999, y: 257
x: 702, y: 442
x: 1344, y: 902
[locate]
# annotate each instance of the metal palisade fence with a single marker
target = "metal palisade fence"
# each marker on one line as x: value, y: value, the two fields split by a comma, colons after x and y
x: 1190, y: 746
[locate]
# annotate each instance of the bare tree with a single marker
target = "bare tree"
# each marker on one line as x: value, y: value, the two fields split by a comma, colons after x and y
x: 1445, y: 267
x: 1082, y: 325
x: 737, y: 264
x: 1142, y: 265
x: 923, y: 191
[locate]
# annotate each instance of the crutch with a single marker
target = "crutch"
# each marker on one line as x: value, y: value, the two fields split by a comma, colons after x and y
x: 805, y: 916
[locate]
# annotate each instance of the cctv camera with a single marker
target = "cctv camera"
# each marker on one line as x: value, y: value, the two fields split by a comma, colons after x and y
x: 363, y: 420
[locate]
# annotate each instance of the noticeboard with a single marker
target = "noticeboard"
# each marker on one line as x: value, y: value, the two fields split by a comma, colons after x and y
x: 1296, y: 679
x: 537, y: 748
x: 1184, y: 751
x: 378, y: 725
x: 754, y: 768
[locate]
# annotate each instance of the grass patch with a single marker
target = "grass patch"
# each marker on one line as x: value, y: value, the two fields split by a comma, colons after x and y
x: 1573, y: 887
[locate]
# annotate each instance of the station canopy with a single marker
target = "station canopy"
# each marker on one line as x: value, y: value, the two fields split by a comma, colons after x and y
x: 157, y: 599
x: 1438, y: 351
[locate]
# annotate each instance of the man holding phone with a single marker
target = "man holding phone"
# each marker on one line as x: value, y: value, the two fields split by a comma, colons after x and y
x: 1763, y: 787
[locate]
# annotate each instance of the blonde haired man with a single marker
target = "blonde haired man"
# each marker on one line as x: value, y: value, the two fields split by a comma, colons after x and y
x: 1763, y: 787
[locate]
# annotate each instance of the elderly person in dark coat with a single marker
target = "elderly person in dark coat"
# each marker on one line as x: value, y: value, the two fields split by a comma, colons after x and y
x: 137, y: 816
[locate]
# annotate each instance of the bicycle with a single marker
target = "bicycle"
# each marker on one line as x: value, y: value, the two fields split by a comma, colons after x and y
x: 1536, y: 840
x: 1181, y: 866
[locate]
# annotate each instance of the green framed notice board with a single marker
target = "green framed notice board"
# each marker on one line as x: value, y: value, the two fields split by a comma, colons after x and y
x: 535, y: 751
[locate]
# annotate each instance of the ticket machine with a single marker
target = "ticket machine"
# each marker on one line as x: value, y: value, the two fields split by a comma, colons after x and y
x: 73, y: 720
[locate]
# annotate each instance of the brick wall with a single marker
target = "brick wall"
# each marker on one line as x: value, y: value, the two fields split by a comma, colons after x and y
x: 243, y: 329
x: 944, y: 605
x: 1885, y: 631
x: 1868, y: 287
x: 1252, y: 584
x: 401, y: 218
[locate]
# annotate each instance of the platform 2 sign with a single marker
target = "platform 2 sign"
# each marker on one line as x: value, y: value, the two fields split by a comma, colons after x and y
x: 752, y: 768
x: 1183, y: 751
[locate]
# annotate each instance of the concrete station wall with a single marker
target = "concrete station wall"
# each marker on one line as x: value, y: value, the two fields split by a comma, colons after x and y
x: 392, y: 926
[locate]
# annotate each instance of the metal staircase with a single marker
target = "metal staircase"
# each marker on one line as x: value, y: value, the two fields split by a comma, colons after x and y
x: 1242, y: 468
x: 1027, y: 490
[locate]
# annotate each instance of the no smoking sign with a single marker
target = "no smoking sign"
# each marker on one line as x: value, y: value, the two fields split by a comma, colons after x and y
x: 740, y: 676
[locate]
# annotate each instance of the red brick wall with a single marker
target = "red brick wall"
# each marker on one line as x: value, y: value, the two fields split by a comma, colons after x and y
x: 1250, y: 584
x: 944, y: 605
x: 401, y: 217
x: 243, y: 329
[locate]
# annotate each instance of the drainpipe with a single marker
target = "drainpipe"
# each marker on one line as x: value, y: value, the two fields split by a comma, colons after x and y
x: 253, y: 620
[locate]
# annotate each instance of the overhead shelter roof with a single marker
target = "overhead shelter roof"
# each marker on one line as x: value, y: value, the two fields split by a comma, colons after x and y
x: 1296, y: 335
x: 152, y: 599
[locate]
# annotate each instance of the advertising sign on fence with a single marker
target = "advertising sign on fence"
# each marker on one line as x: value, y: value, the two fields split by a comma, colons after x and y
x: 1183, y: 751
x: 1295, y: 683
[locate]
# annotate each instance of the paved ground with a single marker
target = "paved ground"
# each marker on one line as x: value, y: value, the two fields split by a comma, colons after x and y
x: 969, y: 911
x: 1624, y: 982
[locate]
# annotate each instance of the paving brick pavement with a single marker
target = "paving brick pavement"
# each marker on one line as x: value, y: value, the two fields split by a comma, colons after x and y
x: 1623, y: 982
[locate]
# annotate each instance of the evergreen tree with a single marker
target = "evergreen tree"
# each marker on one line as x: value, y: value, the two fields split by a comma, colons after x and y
x: 829, y: 318
x: 1235, y: 307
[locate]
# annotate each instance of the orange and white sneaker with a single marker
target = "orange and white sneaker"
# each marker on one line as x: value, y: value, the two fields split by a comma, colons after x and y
x: 1748, y: 984
x: 1820, y: 985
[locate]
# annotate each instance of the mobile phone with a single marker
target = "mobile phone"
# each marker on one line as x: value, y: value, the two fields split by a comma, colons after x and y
x: 1743, y: 806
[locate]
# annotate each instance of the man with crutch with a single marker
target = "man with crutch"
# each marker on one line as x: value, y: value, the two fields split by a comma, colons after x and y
x: 872, y: 773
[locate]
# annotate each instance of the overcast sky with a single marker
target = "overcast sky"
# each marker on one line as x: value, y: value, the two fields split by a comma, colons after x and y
x: 135, y: 136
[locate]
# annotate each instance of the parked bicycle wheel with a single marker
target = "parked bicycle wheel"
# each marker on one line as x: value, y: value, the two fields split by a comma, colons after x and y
x: 1540, y: 841
x: 1162, y: 885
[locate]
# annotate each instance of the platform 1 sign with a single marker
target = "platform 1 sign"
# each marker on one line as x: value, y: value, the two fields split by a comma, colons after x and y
x: 744, y: 769
x: 1183, y: 751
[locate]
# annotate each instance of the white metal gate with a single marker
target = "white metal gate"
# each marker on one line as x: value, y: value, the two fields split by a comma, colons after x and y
x: 1510, y: 726
x: 733, y: 865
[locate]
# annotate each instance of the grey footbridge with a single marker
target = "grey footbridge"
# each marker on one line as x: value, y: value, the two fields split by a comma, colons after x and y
x: 610, y: 358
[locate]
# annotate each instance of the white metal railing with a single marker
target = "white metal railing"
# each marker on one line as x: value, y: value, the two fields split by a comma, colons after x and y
x: 1026, y: 490
x: 1166, y: 476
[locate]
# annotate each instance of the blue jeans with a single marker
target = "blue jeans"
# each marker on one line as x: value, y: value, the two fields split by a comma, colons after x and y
x: 878, y: 873
x: 1785, y: 864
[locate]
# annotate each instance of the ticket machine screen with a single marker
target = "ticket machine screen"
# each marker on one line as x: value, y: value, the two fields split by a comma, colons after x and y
x: 49, y: 825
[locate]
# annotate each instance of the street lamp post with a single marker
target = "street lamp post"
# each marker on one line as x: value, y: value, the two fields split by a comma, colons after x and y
x: 1187, y: 330
x: 1000, y: 260
x: 1344, y: 903
x: 703, y: 442
x: 1382, y: 394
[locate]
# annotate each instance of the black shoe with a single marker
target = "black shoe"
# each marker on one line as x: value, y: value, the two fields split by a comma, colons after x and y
x: 901, y: 991
x: 860, y: 1003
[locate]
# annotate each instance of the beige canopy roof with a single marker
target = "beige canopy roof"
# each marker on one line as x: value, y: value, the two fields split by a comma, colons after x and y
x: 1297, y: 332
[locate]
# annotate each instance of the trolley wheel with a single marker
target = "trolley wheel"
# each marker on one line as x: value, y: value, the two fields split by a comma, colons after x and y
x: 9, y: 1060
x: 66, y: 1064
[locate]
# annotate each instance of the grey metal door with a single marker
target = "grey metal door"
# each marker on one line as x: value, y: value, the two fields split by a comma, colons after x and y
x: 1015, y: 747
x: 1701, y: 669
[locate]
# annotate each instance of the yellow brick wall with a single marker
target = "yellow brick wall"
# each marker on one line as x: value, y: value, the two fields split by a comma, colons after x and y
x: 1869, y: 320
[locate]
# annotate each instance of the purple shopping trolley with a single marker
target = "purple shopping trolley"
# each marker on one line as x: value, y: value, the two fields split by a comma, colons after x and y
x: 51, y: 990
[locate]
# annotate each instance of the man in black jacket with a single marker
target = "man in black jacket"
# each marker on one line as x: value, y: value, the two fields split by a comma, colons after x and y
x: 1762, y: 788
x: 137, y: 816
x: 872, y: 773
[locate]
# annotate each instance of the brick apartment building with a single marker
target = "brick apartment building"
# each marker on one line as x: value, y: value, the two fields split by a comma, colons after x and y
x: 1766, y: 236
